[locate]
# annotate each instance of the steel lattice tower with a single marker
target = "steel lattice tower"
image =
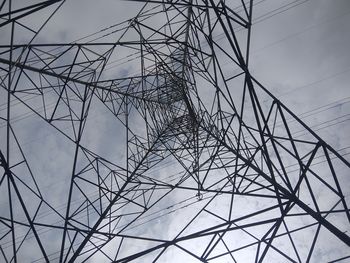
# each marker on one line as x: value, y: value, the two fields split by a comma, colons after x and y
x: 204, y: 164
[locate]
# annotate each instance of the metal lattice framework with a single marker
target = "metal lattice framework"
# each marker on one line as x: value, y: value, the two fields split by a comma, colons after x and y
x: 208, y: 165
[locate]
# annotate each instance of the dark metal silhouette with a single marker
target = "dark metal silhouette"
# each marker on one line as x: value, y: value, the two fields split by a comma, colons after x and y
x: 216, y: 168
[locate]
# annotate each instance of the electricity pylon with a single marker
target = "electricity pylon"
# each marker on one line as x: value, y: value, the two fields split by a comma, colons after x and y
x: 207, y: 165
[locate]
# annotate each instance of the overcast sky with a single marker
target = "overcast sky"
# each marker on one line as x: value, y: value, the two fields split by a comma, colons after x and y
x: 300, y: 53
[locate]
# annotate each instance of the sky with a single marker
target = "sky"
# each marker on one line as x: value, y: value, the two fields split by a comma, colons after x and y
x: 298, y: 52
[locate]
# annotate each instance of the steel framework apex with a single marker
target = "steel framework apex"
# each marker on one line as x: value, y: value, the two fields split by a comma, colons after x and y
x: 155, y: 143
